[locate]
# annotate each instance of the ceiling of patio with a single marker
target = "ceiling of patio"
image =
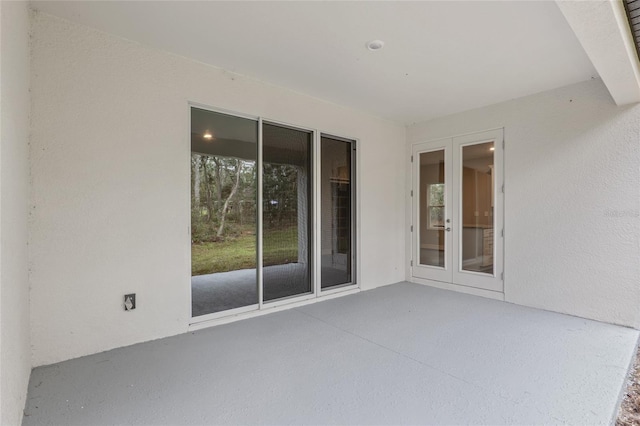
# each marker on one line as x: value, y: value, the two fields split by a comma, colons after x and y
x: 439, y: 57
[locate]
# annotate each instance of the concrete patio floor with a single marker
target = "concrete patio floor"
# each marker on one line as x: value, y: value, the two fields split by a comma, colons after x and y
x: 401, y: 354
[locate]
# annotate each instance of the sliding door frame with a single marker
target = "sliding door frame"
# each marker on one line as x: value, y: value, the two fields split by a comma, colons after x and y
x: 255, y: 306
x: 354, y: 215
x: 259, y: 212
x: 314, y: 214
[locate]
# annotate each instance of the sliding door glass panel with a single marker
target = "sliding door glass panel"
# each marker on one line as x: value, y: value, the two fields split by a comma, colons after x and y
x: 336, y: 187
x: 286, y: 194
x: 432, y: 209
x: 223, y: 212
x: 477, y: 237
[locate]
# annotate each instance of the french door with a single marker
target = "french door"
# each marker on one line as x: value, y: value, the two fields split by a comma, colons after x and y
x: 457, y: 194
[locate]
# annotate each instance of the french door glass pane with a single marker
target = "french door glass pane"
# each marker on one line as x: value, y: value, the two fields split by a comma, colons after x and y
x: 432, y: 208
x: 286, y: 194
x: 223, y: 212
x: 477, y: 208
x: 336, y: 208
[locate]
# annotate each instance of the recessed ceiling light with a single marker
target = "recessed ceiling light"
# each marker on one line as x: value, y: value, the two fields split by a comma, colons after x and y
x: 207, y: 136
x: 375, y: 45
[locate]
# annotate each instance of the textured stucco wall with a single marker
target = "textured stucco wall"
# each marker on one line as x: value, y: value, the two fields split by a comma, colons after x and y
x: 15, y: 350
x: 572, y: 198
x: 110, y: 184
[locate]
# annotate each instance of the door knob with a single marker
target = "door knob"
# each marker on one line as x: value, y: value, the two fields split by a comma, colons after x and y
x: 447, y: 229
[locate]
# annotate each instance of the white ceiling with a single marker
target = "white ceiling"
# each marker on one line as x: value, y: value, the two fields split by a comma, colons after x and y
x: 439, y: 57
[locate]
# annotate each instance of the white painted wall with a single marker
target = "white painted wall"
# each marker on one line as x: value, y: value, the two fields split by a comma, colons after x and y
x: 603, y: 30
x: 15, y: 350
x: 110, y: 174
x: 572, y: 200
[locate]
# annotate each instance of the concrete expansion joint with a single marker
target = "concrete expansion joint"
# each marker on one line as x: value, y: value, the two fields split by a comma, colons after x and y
x: 424, y: 364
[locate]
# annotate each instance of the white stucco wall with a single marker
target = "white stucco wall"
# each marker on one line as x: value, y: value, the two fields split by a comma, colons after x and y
x: 110, y: 174
x: 572, y: 198
x: 15, y: 350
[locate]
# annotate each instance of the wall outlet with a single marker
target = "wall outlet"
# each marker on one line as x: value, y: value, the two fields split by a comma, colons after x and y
x: 129, y: 302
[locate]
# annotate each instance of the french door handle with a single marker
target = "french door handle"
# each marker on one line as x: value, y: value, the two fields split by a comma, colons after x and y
x: 447, y: 229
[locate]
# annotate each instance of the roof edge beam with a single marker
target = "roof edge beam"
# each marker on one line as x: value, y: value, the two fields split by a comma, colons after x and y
x: 603, y: 31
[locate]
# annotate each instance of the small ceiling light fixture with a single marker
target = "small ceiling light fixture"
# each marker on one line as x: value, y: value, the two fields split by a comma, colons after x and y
x: 375, y: 45
x: 208, y: 136
x: 492, y: 149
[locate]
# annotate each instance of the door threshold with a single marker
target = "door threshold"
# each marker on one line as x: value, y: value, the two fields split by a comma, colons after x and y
x: 490, y: 294
x: 267, y: 309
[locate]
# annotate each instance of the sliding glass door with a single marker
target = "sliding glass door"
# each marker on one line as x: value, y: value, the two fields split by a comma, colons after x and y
x: 338, y: 212
x: 286, y: 208
x: 224, y: 151
x: 253, y: 200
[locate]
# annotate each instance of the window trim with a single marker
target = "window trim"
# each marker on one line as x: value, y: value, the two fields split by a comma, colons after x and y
x: 430, y: 206
x: 317, y: 294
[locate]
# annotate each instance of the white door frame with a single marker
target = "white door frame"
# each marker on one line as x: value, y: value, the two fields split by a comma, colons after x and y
x: 443, y: 274
x: 452, y: 274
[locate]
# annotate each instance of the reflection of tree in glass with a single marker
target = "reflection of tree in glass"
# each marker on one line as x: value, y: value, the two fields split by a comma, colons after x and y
x: 280, y: 195
x: 223, y: 213
x: 222, y: 191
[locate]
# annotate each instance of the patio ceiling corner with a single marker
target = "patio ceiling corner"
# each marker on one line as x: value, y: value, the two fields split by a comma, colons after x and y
x: 603, y: 31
